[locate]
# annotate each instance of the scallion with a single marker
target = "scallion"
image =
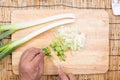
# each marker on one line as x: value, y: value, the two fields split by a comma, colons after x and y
x: 46, y: 51
x: 9, y: 47
x: 12, y: 28
x: 67, y: 38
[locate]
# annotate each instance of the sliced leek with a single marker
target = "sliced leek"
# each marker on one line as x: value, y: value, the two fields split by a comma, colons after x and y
x: 67, y: 38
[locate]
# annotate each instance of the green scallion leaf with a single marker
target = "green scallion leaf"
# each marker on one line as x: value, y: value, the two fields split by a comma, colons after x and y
x: 47, y: 51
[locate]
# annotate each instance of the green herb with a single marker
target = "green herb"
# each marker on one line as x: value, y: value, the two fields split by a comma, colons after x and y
x: 47, y: 51
x: 59, y: 47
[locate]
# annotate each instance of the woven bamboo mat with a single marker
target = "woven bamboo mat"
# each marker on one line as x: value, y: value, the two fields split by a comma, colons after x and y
x: 7, y: 6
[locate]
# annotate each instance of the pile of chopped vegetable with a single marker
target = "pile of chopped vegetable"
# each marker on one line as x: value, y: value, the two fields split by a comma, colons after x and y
x: 67, y: 38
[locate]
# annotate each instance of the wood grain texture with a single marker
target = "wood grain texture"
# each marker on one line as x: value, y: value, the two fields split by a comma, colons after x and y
x: 92, y: 59
x: 114, y: 39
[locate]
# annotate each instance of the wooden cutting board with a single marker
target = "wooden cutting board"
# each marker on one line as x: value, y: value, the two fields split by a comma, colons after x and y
x: 92, y: 59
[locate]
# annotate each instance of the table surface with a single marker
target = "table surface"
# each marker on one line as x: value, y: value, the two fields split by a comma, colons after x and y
x: 7, y: 6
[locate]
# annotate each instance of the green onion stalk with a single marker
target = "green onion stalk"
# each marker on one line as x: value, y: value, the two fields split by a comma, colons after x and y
x: 11, y: 28
x: 9, y: 47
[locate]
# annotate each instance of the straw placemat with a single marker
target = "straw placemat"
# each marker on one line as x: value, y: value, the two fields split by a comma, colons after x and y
x: 7, y: 6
